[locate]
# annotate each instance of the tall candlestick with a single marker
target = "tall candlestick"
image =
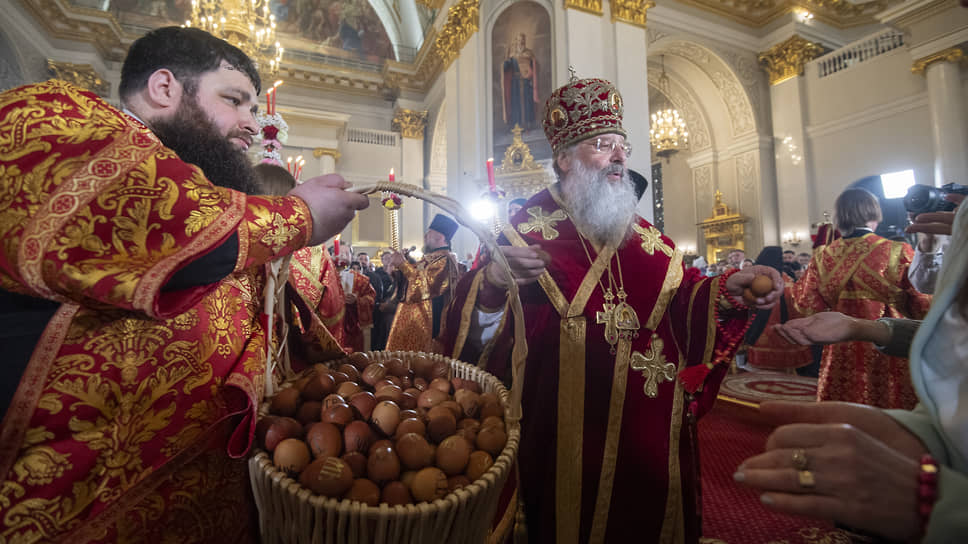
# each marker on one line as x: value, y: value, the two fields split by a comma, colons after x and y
x: 395, y: 229
x: 392, y: 178
x: 490, y: 175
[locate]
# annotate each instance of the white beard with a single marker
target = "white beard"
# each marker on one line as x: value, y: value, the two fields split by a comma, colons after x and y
x: 602, y: 210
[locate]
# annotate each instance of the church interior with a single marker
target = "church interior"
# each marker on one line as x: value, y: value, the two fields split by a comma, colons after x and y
x: 747, y: 119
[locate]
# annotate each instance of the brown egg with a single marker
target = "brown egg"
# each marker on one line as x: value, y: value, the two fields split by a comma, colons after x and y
x: 389, y: 392
x: 761, y: 285
x: 410, y: 425
x: 319, y: 386
x: 470, y: 385
x: 489, y: 408
x: 491, y: 440
x: 406, y: 383
x: 324, y: 439
x: 407, y: 414
x: 441, y: 384
x: 493, y: 421
x: 328, y: 476
x: 395, y: 493
x: 351, y: 372
x: 408, y: 401
x: 363, y: 404
x: 748, y: 297
x: 279, y: 429
x: 300, y: 384
x: 364, y: 491
x: 338, y: 414
x: 430, y: 398
x: 357, y: 463
x: 359, y: 359
x: 440, y: 410
x: 395, y: 380
x: 308, y: 412
x: 381, y: 443
x: 429, y: 484
x: 457, y: 482
x: 422, y: 367
x: 357, y: 436
x: 348, y: 389
x: 341, y: 377
x: 420, y: 384
x: 320, y: 368
x: 374, y: 373
x: 454, y: 408
x: 291, y: 455
x: 414, y: 451
x: 285, y: 403
x: 332, y: 399
x: 386, y: 417
x: 469, y: 433
x: 440, y: 369
x: 381, y: 384
x: 477, y: 464
x: 441, y: 425
x: 453, y: 454
x: 469, y: 401
x: 407, y: 477
x: 396, y: 367
x: 383, y: 465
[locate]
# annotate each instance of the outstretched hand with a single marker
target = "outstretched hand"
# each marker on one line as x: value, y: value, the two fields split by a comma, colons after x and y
x: 527, y: 264
x: 332, y: 207
x: 819, y: 328
x: 739, y: 281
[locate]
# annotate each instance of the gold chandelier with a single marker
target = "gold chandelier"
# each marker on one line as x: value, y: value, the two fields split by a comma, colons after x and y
x: 668, y: 130
x: 246, y: 24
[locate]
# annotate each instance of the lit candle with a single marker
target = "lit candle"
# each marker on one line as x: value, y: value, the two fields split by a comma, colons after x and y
x: 299, y: 169
x: 490, y: 175
x: 289, y: 164
x: 336, y: 247
x: 391, y: 175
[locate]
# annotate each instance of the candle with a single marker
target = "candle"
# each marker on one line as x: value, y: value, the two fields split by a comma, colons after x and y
x: 289, y: 165
x: 490, y: 175
x: 391, y: 175
x: 336, y: 248
x: 299, y: 163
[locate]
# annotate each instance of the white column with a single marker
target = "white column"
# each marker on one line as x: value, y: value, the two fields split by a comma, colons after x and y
x: 412, y: 172
x: 948, y: 121
x: 792, y: 173
x: 632, y: 81
x: 327, y: 164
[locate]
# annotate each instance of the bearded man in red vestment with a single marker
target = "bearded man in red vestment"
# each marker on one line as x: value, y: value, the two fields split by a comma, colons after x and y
x: 132, y: 264
x: 626, y: 348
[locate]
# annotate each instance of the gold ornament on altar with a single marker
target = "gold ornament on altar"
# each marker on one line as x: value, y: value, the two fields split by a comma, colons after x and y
x: 668, y: 132
x: 246, y: 24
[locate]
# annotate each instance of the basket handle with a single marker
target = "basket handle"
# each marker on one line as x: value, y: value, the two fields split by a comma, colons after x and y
x: 520, y: 351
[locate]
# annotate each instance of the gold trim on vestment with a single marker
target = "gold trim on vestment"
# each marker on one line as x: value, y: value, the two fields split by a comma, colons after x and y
x: 673, y: 524
x: 852, y: 269
x: 616, y: 407
x: 466, y: 313
x: 670, y: 285
x: 894, y: 264
x: 547, y: 283
x: 571, y: 421
x: 590, y: 281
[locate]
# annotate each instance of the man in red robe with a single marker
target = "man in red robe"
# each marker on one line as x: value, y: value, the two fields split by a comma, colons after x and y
x: 626, y: 348
x: 358, y: 300
x: 141, y: 362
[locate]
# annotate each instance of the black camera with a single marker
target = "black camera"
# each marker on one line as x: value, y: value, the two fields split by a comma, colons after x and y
x: 925, y: 198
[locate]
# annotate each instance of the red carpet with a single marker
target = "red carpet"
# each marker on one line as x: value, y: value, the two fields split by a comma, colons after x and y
x: 732, y: 514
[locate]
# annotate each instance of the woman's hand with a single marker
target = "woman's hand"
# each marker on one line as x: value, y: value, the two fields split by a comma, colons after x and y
x: 739, y: 281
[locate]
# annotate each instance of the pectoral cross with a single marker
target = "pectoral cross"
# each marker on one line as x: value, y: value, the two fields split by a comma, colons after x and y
x: 609, y: 318
x: 653, y: 366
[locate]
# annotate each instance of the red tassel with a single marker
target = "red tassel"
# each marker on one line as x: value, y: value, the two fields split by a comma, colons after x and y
x: 693, y: 377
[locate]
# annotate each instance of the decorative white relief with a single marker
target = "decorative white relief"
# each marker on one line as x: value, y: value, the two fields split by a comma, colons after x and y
x: 740, y: 113
x: 437, y: 176
x: 652, y: 35
x: 746, y: 172
x: 701, y: 177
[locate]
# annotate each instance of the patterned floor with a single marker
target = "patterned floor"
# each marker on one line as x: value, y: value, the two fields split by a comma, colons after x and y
x: 756, y: 386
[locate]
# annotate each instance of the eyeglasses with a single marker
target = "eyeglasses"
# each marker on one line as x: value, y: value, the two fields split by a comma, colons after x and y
x: 609, y: 146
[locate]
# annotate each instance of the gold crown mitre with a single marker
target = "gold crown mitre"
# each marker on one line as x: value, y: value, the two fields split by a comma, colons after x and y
x: 581, y: 109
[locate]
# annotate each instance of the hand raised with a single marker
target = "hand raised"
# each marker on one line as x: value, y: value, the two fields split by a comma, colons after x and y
x: 332, y: 207
x: 527, y: 264
x: 739, y: 281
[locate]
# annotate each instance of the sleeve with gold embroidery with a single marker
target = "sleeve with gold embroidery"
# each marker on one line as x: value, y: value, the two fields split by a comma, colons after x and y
x: 96, y: 211
x: 426, y: 279
x: 806, y: 294
x: 365, y: 295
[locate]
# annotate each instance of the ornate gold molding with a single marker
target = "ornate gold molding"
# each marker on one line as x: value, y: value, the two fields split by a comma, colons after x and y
x: 517, y: 157
x: 588, y: 6
x: 410, y: 123
x: 82, y: 75
x: 786, y: 60
x: 758, y: 13
x: 463, y: 19
x: 631, y: 11
x: 952, y: 54
x: 329, y: 151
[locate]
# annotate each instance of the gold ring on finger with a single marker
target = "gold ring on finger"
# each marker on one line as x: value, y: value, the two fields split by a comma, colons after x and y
x: 800, y: 459
x: 805, y: 479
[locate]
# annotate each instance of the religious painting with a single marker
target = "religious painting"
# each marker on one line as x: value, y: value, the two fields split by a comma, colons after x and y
x: 521, y: 76
x: 348, y: 29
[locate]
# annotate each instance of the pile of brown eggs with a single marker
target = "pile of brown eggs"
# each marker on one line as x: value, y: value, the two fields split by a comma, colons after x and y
x: 378, y: 432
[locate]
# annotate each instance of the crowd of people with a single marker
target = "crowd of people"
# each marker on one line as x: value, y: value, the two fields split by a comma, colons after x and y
x: 151, y: 279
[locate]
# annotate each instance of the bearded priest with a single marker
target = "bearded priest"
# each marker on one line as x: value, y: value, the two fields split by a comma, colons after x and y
x: 626, y: 347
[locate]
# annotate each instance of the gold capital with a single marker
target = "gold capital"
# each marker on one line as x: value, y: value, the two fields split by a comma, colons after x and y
x: 786, y: 60
x: 410, y: 123
x: 462, y: 22
x: 332, y: 152
x: 590, y: 6
x: 631, y: 11
x: 82, y: 75
x: 952, y: 54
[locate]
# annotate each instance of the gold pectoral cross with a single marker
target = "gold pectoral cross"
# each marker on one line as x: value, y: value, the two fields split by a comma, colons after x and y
x: 620, y: 321
x: 653, y: 366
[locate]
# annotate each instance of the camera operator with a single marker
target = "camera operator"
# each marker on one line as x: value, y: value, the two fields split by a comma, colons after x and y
x: 931, y: 212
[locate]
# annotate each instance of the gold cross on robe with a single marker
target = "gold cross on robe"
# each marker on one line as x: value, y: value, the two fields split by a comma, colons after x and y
x: 545, y: 223
x: 652, y: 240
x: 653, y: 366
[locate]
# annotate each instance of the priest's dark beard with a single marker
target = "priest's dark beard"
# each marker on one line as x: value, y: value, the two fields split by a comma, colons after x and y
x: 196, y: 140
x: 602, y: 210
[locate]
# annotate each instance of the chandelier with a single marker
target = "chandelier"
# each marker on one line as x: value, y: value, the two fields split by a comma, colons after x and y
x: 668, y: 130
x: 246, y: 24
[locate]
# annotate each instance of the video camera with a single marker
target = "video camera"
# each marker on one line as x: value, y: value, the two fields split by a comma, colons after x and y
x: 925, y: 198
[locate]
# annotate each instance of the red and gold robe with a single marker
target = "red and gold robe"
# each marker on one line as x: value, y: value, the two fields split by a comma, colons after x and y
x: 137, y: 404
x: 317, y: 306
x: 359, y: 316
x: 865, y: 277
x: 771, y: 351
x: 429, y: 282
x: 607, y: 451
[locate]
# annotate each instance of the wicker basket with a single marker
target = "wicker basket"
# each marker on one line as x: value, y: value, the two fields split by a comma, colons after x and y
x: 292, y: 514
